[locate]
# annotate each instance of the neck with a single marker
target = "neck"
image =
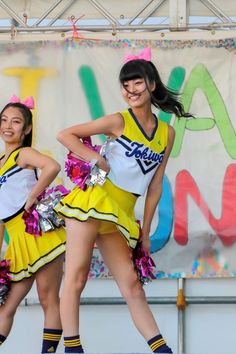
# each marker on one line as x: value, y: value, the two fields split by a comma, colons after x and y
x: 143, y: 114
x: 10, y: 147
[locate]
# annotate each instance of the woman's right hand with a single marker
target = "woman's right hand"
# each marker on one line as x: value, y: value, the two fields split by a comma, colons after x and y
x: 30, y: 202
x: 146, y: 243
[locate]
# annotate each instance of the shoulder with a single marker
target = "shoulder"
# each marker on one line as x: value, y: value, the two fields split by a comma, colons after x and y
x: 25, y: 154
x: 168, y: 129
x: 25, y: 151
x: 30, y: 158
x: 171, y: 132
x: 171, y: 136
x: 114, y: 117
x: 114, y: 124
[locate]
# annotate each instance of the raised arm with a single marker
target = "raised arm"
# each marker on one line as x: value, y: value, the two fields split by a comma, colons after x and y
x: 154, y: 192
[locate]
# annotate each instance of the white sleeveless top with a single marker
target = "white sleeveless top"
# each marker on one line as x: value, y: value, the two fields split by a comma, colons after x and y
x: 15, y: 186
x: 134, y: 156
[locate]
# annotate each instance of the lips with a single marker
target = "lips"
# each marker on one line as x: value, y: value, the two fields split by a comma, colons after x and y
x: 7, y: 133
x: 134, y: 97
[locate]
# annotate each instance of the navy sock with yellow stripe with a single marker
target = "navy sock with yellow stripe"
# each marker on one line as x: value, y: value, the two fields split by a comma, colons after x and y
x: 158, y: 345
x: 73, y: 345
x: 51, y: 339
x: 2, y: 339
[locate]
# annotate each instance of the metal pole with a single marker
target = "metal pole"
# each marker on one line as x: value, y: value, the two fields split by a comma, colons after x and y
x: 192, y: 300
x: 119, y: 28
x: 60, y: 14
x: 12, y: 13
x: 181, y: 319
x: 149, y: 14
x: 104, y: 12
x: 216, y: 10
x: 47, y: 12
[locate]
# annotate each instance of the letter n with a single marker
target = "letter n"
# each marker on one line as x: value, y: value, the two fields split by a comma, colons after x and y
x: 225, y: 226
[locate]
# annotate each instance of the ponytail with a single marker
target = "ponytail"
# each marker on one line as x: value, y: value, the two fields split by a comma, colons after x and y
x: 162, y: 97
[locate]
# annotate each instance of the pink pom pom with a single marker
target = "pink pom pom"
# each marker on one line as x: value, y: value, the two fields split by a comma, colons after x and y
x: 5, y: 280
x: 77, y: 169
x: 143, y: 264
x: 42, y: 216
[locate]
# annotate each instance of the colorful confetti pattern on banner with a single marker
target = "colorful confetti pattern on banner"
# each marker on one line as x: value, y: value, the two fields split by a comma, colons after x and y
x: 98, y: 268
x: 226, y: 43
x: 208, y: 264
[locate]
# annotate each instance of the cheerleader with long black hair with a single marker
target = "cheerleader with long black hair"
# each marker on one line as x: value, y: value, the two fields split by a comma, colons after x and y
x: 32, y: 257
x: 140, y: 146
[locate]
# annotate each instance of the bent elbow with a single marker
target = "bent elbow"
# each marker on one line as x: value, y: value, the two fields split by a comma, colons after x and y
x: 57, y: 167
x: 54, y: 168
x: 60, y: 136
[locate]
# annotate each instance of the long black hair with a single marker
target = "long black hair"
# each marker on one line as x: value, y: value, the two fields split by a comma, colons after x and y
x: 27, y: 114
x: 162, y: 97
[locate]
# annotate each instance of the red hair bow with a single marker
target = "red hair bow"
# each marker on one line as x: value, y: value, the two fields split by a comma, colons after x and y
x: 28, y: 102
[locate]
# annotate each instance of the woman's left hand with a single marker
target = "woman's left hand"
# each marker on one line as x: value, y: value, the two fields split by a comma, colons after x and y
x: 102, y: 163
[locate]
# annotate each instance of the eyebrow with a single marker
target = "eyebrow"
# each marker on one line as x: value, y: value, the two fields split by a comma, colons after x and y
x: 18, y: 117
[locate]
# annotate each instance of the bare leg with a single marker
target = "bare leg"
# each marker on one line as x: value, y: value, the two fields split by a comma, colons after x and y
x: 48, y: 280
x: 7, y: 311
x: 117, y: 256
x: 79, y: 248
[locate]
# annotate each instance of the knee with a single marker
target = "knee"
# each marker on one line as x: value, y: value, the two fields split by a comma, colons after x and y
x: 80, y: 283
x: 48, y: 298
x: 133, y: 290
x: 76, y: 284
x: 7, y: 312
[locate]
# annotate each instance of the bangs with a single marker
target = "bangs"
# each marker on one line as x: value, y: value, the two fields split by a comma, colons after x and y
x: 131, y: 71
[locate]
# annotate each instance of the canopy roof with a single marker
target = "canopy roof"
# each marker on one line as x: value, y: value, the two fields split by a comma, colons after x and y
x: 115, y: 16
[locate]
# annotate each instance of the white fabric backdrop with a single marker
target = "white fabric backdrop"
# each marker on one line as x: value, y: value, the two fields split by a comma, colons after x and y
x: 194, y: 229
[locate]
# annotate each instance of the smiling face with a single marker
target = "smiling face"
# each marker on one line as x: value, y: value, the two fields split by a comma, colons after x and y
x: 136, y: 92
x: 12, y: 126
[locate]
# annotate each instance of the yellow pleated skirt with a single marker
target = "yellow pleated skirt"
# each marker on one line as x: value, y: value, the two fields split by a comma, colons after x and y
x: 28, y: 253
x: 113, y: 206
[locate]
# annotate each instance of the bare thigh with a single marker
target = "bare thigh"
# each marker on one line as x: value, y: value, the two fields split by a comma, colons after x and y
x: 118, y: 257
x: 81, y: 237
